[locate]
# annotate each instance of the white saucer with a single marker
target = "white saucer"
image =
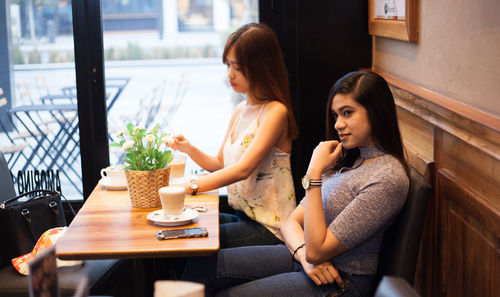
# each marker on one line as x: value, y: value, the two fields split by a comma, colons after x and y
x: 107, y: 185
x: 158, y: 217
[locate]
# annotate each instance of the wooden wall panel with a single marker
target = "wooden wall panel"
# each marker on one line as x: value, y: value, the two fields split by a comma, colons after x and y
x: 458, y: 147
x: 470, y: 258
x: 478, y: 128
x: 418, y: 139
x: 479, y: 171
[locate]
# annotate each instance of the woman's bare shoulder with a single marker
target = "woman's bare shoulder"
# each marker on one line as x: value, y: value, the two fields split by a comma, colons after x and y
x: 237, y: 110
x: 240, y: 106
x: 276, y: 107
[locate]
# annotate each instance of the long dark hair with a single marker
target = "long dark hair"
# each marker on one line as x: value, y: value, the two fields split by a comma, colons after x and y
x: 372, y: 92
x: 259, y: 56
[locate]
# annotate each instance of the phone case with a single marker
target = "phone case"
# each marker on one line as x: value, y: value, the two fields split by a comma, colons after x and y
x: 164, y: 234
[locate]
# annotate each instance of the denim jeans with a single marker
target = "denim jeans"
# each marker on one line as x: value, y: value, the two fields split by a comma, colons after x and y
x: 265, y: 271
x: 239, y: 230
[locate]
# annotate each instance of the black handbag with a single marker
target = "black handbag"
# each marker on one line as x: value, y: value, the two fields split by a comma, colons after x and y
x: 25, y: 218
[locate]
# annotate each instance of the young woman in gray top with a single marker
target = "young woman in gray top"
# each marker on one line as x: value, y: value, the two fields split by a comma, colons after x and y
x: 354, y: 189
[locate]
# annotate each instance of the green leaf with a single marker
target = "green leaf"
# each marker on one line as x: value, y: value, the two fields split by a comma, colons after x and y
x: 130, y: 128
x: 155, y: 129
x: 145, y: 155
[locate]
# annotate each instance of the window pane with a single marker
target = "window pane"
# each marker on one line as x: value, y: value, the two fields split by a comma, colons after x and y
x: 38, y: 115
x: 172, y: 74
x: 195, y: 15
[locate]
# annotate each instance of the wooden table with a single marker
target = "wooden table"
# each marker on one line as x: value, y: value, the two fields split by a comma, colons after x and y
x: 108, y: 227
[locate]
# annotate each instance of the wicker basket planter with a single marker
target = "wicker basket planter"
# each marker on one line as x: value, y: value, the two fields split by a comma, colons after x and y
x: 143, y: 186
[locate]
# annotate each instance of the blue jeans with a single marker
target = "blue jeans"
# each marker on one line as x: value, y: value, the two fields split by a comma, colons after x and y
x: 239, y: 230
x: 265, y: 271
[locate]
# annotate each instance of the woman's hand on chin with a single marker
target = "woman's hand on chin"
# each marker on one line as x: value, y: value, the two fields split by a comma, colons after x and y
x: 324, y: 156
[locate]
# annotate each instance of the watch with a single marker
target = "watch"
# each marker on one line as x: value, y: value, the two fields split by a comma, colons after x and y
x: 308, y: 182
x: 193, y: 185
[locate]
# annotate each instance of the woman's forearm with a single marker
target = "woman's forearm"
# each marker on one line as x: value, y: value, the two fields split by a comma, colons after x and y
x: 314, y: 224
x: 321, y: 243
x: 207, y: 162
x: 293, y: 233
x: 220, y: 178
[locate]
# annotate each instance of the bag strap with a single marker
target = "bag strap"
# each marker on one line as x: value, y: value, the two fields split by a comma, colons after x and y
x: 69, y: 204
x: 52, y: 205
x: 4, y: 204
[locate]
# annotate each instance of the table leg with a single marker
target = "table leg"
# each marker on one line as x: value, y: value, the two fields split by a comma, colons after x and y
x: 144, y: 277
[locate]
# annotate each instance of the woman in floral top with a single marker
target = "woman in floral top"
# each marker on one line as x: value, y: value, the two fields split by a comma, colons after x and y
x: 254, y: 159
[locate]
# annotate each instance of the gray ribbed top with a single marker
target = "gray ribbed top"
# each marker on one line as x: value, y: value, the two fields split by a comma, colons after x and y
x: 359, y: 205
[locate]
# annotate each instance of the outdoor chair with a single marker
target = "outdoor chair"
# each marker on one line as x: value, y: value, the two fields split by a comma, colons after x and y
x: 15, y: 148
x: 46, y: 96
x: 170, y: 106
x: 58, y: 149
x: 148, y: 108
x: 12, y: 284
x: 28, y: 141
x: 399, y: 253
x: 114, y: 88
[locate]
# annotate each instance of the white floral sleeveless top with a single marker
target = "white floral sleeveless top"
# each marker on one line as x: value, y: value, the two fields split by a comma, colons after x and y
x: 267, y: 195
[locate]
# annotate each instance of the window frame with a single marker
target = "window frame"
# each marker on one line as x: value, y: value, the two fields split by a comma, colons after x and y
x: 89, y: 67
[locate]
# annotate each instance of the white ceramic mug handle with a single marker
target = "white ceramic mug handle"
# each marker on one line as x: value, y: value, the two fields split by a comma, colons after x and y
x: 102, y: 172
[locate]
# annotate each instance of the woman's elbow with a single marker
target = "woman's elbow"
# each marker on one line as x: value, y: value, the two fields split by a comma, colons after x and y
x: 242, y: 172
x: 314, y: 257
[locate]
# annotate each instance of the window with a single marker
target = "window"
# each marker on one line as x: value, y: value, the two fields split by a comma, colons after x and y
x: 173, y: 75
x: 195, y: 15
x: 162, y: 65
x: 38, y: 112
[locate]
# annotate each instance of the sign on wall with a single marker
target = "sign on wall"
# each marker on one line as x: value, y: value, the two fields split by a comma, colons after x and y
x: 393, y: 19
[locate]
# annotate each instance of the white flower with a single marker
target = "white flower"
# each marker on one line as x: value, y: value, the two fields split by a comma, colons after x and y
x: 128, y: 144
x: 139, y: 128
x: 168, y: 140
x: 150, y: 138
x: 120, y: 133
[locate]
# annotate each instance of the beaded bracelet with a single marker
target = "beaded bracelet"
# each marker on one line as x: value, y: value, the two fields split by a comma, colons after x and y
x: 295, y: 251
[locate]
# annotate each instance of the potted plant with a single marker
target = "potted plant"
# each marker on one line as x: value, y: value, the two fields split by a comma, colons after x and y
x: 147, y: 157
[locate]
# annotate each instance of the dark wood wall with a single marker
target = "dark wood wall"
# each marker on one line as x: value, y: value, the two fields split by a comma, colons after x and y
x: 321, y: 41
x: 460, y: 249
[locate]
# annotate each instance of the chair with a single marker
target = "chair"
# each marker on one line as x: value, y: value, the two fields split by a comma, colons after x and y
x: 391, y: 286
x: 170, y: 106
x: 101, y: 273
x: 114, y: 87
x: 15, y: 148
x: 398, y: 256
x: 148, y: 108
x: 47, y: 96
x: 58, y: 149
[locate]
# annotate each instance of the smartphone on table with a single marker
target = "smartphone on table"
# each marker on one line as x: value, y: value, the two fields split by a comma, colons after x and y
x: 181, y: 233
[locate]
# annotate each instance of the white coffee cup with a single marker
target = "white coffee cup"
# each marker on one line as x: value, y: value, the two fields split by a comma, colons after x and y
x: 115, y: 175
x: 172, y: 200
x: 170, y: 288
x: 178, y: 166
